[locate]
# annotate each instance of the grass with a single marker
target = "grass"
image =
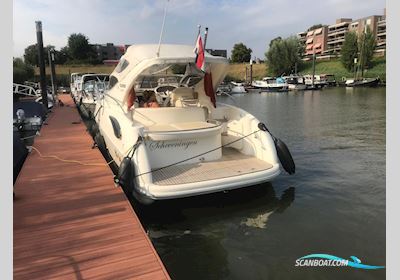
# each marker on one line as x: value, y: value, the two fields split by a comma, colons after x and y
x: 237, y: 71
x: 378, y: 69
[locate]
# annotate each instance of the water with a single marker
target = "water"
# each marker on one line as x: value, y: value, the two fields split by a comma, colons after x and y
x: 334, y: 204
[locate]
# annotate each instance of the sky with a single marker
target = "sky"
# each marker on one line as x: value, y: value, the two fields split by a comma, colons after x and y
x: 253, y: 23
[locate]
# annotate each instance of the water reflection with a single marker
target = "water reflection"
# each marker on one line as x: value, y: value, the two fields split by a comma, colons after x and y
x: 195, y: 236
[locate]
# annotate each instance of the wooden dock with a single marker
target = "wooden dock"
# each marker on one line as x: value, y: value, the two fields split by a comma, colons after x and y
x: 70, y: 221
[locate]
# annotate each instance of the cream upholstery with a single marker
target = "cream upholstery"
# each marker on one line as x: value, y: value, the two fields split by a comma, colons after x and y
x: 183, y: 97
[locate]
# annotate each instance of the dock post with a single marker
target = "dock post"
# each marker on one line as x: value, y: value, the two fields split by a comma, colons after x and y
x: 251, y: 71
x: 43, y: 86
x: 53, y: 72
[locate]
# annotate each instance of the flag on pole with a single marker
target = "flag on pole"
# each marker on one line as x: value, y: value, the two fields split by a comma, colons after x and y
x: 199, y: 51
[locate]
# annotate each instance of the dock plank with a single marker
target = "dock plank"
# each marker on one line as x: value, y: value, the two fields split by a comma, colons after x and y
x: 70, y: 221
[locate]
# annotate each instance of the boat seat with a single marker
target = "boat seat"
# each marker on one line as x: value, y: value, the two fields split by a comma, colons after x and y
x: 184, y: 97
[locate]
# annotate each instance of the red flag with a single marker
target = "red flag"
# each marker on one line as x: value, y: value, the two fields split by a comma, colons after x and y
x: 199, y: 51
x: 209, y: 89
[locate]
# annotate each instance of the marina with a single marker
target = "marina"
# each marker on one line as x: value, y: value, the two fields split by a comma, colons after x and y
x: 173, y: 160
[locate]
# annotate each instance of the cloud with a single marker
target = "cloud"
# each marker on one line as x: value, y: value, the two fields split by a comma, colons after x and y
x: 254, y: 23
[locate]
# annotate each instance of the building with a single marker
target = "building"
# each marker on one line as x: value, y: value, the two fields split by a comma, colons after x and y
x: 213, y: 52
x: 336, y: 34
x: 328, y: 40
x: 109, y: 51
x: 316, y: 41
x: 381, y: 37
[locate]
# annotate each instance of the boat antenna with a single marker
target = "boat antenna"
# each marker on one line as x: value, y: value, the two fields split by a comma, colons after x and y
x: 162, y: 29
x: 205, y: 38
x: 198, y: 33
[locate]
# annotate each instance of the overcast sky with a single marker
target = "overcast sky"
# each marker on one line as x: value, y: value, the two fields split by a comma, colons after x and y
x: 253, y: 22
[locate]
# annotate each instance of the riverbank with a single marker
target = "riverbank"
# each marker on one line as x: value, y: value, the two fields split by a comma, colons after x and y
x: 237, y: 71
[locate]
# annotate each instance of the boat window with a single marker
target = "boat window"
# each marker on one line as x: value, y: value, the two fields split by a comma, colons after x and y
x: 113, y: 81
x: 122, y: 64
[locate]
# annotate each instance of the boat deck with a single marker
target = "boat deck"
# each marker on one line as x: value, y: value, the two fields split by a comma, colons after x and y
x: 70, y: 221
x: 232, y: 163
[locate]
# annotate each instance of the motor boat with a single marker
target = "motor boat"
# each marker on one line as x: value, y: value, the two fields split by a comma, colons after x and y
x: 237, y: 88
x: 187, y: 144
x: 364, y: 82
x: 74, y: 82
x: 271, y: 84
x: 90, y: 89
x: 319, y: 81
x: 295, y: 82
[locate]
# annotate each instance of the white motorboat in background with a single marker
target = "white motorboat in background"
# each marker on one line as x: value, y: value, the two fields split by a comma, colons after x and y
x: 91, y: 86
x: 295, y: 82
x: 319, y: 81
x: 237, y: 88
x: 271, y: 84
x: 170, y: 138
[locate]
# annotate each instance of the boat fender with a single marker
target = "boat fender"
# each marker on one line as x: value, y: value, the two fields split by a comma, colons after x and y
x: 282, y: 150
x: 84, y: 111
x: 94, y: 129
x: 98, y: 138
x: 125, y: 174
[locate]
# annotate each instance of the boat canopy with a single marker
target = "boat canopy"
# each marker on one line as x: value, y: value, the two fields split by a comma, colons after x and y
x: 142, y: 60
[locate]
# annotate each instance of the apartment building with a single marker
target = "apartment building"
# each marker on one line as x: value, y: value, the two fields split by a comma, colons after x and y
x: 316, y: 40
x: 381, y: 36
x: 328, y: 40
x: 336, y: 34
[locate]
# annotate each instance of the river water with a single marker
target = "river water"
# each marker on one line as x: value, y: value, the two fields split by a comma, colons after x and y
x: 334, y: 204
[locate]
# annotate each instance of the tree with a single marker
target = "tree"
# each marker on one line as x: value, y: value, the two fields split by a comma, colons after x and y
x: 79, y: 48
x: 315, y: 26
x: 22, y: 71
x: 31, y: 54
x: 62, y: 56
x: 349, y: 51
x: 240, y: 53
x: 366, y: 45
x: 274, y: 40
x: 283, y: 55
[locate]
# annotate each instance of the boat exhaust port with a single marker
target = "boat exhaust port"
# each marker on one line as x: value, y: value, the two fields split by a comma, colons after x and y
x: 284, y: 155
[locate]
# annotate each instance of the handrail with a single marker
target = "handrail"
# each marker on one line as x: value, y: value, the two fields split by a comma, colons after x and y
x: 25, y: 90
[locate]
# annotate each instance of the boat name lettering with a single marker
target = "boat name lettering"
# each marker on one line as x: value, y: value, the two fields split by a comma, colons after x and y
x: 156, y: 145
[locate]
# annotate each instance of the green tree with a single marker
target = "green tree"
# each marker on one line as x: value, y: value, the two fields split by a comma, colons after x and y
x: 22, y: 71
x: 366, y: 45
x: 349, y: 50
x: 79, y: 47
x: 31, y: 55
x: 62, y: 56
x: 283, y: 55
x: 315, y: 26
x: 274, y: 40
x: 240, y: 53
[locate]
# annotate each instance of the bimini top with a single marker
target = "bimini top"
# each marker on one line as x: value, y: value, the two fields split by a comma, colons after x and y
x: 140, y: 58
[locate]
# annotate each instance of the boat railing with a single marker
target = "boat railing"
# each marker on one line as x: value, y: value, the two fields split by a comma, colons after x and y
x: 25, y: 90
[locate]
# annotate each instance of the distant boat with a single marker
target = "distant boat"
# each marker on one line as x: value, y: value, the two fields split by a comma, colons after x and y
x: 319, y: 81
x: 365, y: 82
x: 237, y: 88
x: 90, y: 88
x: 271, y: 84
x: 295, y: 82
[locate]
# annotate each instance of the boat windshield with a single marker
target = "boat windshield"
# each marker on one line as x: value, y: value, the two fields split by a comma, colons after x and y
x: 168, y: 75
